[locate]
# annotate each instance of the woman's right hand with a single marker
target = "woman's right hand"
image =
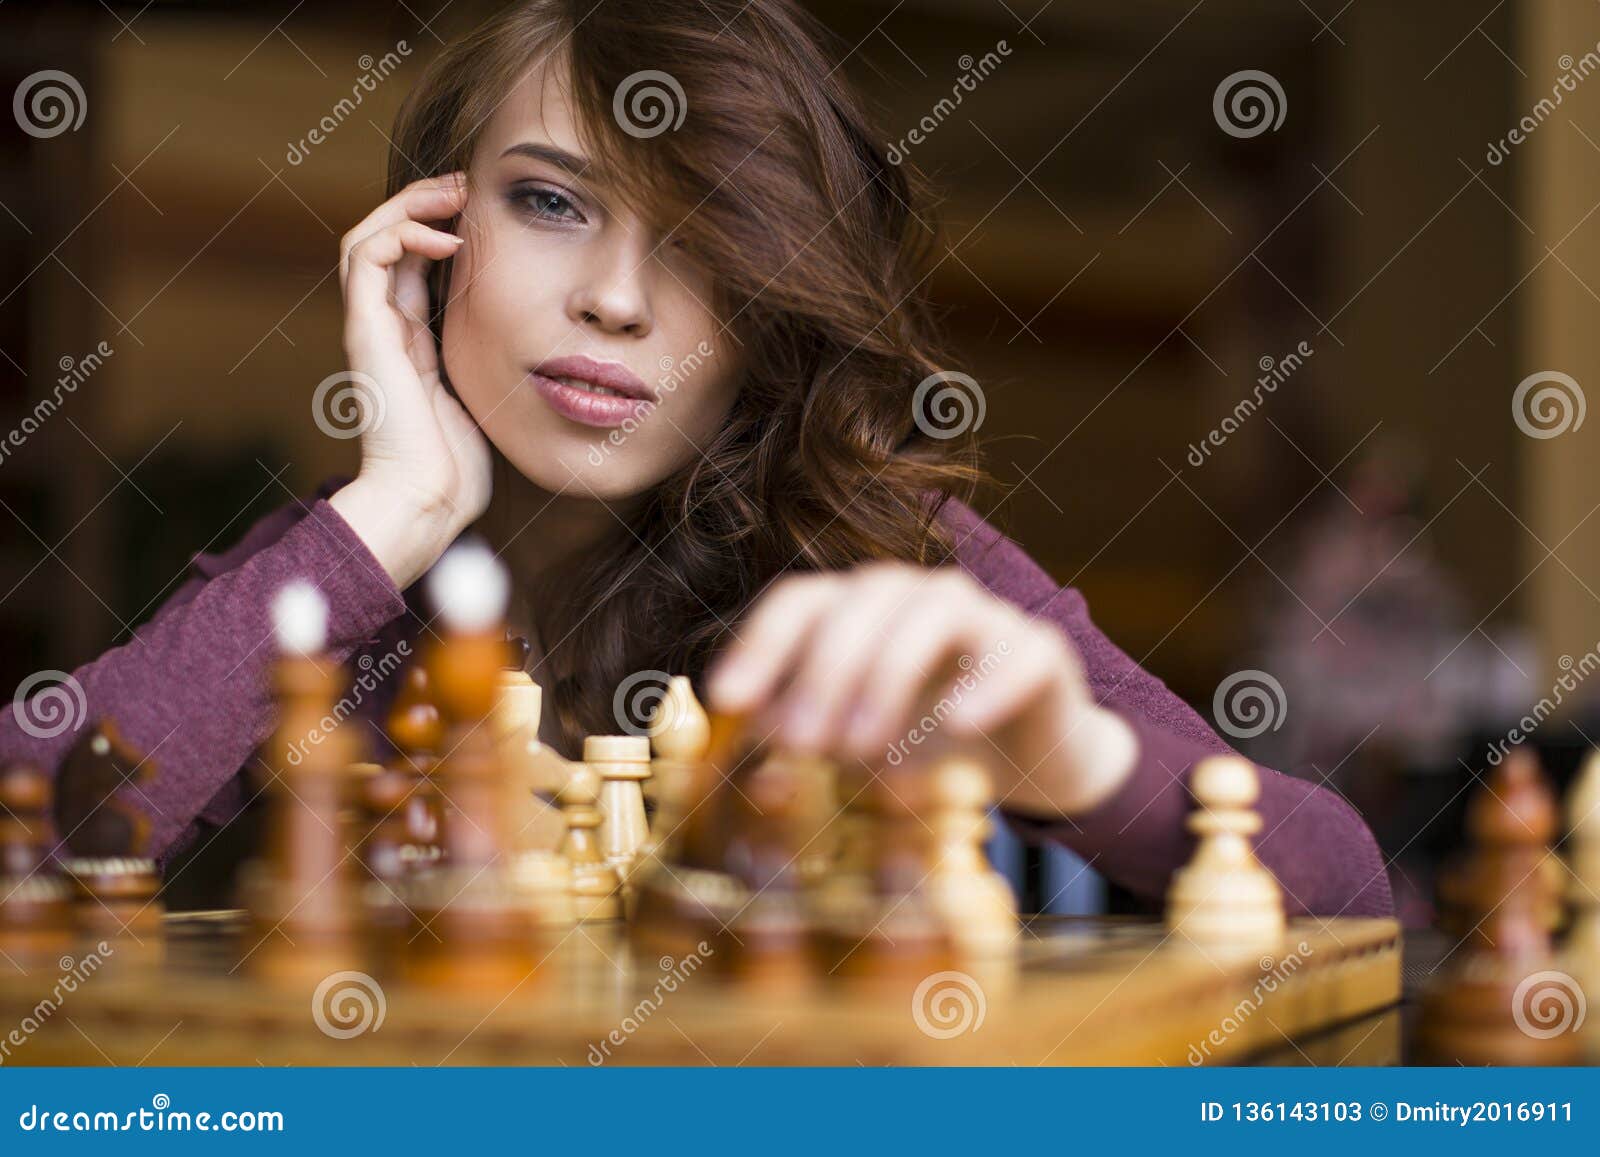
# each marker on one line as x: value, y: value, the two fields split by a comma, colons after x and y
x: 425, y: 465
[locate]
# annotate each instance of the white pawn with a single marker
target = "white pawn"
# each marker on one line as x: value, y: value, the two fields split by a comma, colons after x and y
x: 975, y: 902
x: 1223, y: 899
x: 623, y: 764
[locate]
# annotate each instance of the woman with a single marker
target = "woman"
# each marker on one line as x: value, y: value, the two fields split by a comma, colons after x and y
x: 644, y: 307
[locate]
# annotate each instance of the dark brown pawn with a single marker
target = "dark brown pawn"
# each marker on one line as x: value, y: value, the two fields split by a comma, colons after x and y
x: 1485, y: 1007
x: 417, y: 730
x: 771, y: 948
x: 107, y: 835
x: 35, y: 902
x: 300, y: 893
x: 895, y: 939
x: 474, y: 933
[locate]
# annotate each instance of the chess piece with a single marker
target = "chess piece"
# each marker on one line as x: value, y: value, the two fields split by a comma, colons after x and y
x: 679, y: 734
x: 685, y: 895
x: 300, y: 893
x: 975, y: 901
x: 1581, y: 952
x: 1500, y: 1000
x: 107, y: 838
x: 474, y: 930
x: 622, y: 763
x: 35, y: 902
x: 417, y: 731
x: 596, y: 887
x: 891, y: 937
x: 770, y: 946
x: 1223, y: 900
x: 538, y: 871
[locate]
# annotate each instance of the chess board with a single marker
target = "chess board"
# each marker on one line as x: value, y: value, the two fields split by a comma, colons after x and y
x: 1081, y: 991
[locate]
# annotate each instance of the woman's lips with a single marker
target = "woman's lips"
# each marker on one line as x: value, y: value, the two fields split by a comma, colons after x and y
x: 586, y: 407
x: 569, y: 385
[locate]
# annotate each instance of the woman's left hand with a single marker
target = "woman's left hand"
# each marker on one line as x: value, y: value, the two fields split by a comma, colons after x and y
x: 857, y: 663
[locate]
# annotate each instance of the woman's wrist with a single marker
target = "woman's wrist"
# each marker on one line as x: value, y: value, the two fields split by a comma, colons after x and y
x: 405, y: 532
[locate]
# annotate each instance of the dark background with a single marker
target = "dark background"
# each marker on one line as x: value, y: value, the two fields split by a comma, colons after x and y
x: 1380, y: 537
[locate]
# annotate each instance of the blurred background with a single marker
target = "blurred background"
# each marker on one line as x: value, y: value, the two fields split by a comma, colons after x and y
x: 1282, y: 313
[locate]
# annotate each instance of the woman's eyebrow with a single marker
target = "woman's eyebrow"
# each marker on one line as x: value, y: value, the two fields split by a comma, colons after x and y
x: 562, y: 159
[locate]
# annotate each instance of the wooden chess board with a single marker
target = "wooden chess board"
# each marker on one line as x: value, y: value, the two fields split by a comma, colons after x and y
x: 1083, y: 991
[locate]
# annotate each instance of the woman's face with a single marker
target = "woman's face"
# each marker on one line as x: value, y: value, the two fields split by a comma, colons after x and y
x: 583, y: 345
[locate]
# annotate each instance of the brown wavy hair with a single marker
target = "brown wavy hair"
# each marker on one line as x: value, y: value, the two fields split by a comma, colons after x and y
x: 820, y: 249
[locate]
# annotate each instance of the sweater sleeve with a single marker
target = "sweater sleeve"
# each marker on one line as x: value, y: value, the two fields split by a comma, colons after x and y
x: 1314, y: 842
x: 191, y: 689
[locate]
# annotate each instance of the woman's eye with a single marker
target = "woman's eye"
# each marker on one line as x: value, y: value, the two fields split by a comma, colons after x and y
x: 549, y: 204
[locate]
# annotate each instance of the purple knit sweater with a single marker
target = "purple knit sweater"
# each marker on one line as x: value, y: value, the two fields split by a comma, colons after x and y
x: 192, y: 690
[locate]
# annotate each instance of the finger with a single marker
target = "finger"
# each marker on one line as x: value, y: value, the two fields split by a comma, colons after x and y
x: 433, y: 199
x: 367, y: 292
x: 749, y: 671
x: 413, y: 301
x: 839, y: 650
x: 1039, y: 658
x: 922, y: 652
